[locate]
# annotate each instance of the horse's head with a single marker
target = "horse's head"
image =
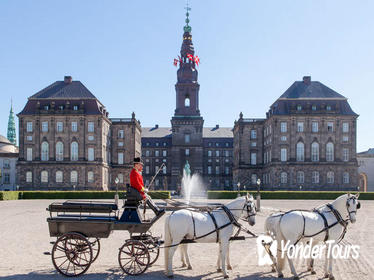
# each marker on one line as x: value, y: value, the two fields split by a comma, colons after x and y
x: 250, y: 209
x: 352, y: 205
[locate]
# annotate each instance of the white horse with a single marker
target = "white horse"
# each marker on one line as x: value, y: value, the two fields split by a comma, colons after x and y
x: 186, y: 224
x: 301, y: 225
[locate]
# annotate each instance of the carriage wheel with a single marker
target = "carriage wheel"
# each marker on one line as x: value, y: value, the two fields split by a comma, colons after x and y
x: 133, y: 257
x: 72, y: 254
x: 154, y: 250
x: 95, y: 244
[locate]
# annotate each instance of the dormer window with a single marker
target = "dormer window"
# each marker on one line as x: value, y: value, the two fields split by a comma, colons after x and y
x: 187, y: 102
x: 314, y: 108
x: 328, y: 108
x: 46, y: 107
x: 299, y: 107
x: 75, y: 107
x: 61, y: 107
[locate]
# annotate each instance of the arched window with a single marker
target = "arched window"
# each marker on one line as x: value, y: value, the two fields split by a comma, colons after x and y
x: 59, y: 176
x: 345, y: 178
x: 315, y: 177
x: 300, y: 151
x: 59, y: 151
x: 300, y: 177
x: 28, y: 177
x: 284, y: 178
x: 187, y: 102
x: 44, y: 176
x: 90, y: 177
x: 45, y: 151
x: 330, y: 177
x: 74, y: 151
x: 254, y: 179
x: 329, y: 151
x: 74, y: 177
x: 315, y: 151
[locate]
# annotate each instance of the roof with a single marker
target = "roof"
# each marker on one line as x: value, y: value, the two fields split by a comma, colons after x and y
x: 369, y: 152
x: 310, y: 90
x: 156, y: 132
x: 4, y: 140
x: 6, y: 147
x: 220, y: 132
x: 62, y: 90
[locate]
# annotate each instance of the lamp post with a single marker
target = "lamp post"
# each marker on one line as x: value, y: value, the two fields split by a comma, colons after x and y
x: 116, y: 195
x: 238, y: 188
x: 258, y: 197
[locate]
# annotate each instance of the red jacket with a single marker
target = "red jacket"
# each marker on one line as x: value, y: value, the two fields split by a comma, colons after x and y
x: 136, y: 181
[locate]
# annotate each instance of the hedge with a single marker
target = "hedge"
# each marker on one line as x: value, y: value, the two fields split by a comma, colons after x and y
x: 287, y: 194
x: 73, y: 195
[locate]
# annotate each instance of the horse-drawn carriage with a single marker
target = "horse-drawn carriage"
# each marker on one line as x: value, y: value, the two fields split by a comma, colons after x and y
x: 79, y: 225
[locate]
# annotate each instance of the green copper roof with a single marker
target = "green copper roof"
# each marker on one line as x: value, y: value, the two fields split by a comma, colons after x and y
x: 11, y: 133
x: 187, y: 28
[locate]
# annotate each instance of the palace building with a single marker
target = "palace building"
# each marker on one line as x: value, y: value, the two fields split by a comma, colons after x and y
x: 306, y: 141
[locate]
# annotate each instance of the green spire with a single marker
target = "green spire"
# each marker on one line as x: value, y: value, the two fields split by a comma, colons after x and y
x: 11, y: 133
x: 187, y: 28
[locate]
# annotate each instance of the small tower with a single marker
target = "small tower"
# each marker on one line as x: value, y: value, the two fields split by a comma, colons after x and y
x: 11, y: 133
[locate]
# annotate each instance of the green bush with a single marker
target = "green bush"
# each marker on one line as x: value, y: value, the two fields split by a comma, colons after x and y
x: 9, y: 195
x: 287, y: 194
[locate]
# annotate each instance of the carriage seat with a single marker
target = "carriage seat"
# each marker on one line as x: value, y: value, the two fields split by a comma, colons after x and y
x: 133, y: 197
x: 83, y: 206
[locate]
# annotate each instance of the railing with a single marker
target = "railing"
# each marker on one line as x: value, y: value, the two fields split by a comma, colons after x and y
x: 121, y: 119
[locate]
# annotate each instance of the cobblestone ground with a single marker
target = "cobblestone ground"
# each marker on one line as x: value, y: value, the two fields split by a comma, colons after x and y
x: 24, y: 239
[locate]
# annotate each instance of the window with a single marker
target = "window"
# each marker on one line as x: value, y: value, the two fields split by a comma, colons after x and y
x: 90, y: 177
x: 328, y: 108
x: 300, y: 151
x: 164, y: 144
x: 300, y: 127
x: 59, y: 176
x: 164, y: 153
x: 147, y: 169
x: 227, y: 144
x: 90, y: 126
x: 330, y: 177
x: 345, y: 127
x: 75, y: 107
x: 60, y: 126
x: 345, y: 139
x: 120, y: 144
x: 329, y: 151
x: 187, y: 138
x: 6, y: 163
x: 45, y: 151
x: 74, y: 151
x: 156, y: 169
x: 254, y: 179
x: 227, y: 153
x: 44, y: 126
x: 157, y: 182
x: 227, y: 170
x: 120, y: 158
x: 29, y: 137
x: 46, y: 107
x: 300, y: 177
x: 209, y: 153
x: 217, y: 144
x: 74, y: 177
x: 227, y: 183
x: 6, y: 178
x: 209, y: 170
x: 28, y: 177
x: 121, y: 134
x: 330, y: 126
x: 299, y: 107
x: 283, y: 127
x: 164, y: 170
x: 283, y: 138
x: 315, y: 151
x: 187, y: 152
x: 345, y: 178
x: 120, y: 178
x: 157, y: 144
x: 147, y: 154
x: 253, y: 144
x: 217, y: 170
x: 157, y: 153
x: 314, y: 126
x: 91, y: 154
x: 187, y: 102
x: 253, y: 158
x: 315, y: 177
x: 217, y: 153
x: 345, y: 154
x: 283, y: 154
x: 59, y: 151
x: 91, y: 138
x: 44, y: 176
x: 74, y: 126
x: 29, y: 154
x: 253, y: 134
x: 29, y: 126
x: 283, y: 178
x: 314, y: 107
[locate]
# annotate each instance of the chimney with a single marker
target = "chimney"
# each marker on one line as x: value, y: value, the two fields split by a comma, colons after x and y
x: 156, y: 126
x: 68, y: 79
x: 307, y: 80
x: 217, y: 126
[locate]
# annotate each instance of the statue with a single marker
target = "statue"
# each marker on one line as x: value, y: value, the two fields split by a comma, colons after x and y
x: 187, y: 169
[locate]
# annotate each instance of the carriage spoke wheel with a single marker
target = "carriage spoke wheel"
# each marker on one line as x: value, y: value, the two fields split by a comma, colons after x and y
x: 72, y: 254
x: 154, y: 250
x: 95, y: 244
x: 133, y: 257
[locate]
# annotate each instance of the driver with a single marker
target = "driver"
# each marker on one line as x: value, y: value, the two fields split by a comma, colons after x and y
x: 136, y: 182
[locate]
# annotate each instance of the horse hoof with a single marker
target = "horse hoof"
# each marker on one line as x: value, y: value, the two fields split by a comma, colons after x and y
x: 189, y: 267
x: 273, y: 270
x: 226, y: 276
x: 326, y: 275
x: 219, y: 270
x: 184, y: 265
x: 296, y: 278
x: 280, y: 275
x: 170, y: 276
x: 229, y: 267
x: 313, y: 272
x: 331, y: 277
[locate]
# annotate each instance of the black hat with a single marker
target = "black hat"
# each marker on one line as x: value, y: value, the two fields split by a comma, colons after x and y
x: 138, y: 160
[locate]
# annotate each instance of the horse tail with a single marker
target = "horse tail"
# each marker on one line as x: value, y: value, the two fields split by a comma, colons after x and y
x: 167, y: 242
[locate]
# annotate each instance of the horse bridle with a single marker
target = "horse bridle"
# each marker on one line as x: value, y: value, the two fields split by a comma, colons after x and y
x: 358, y: 206
x: 251, y: 210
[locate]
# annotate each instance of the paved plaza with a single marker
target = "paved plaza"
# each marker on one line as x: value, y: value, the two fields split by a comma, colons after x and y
x: 24, y: 240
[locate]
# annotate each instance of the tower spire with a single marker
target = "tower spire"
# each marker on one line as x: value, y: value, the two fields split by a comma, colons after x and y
x: 187, y: 28
x: 11, y: 133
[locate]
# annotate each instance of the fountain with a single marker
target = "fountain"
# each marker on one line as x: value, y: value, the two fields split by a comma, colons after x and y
x: 192, y: 185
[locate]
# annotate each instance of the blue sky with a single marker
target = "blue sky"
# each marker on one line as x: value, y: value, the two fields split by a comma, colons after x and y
x: 250, y: 51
